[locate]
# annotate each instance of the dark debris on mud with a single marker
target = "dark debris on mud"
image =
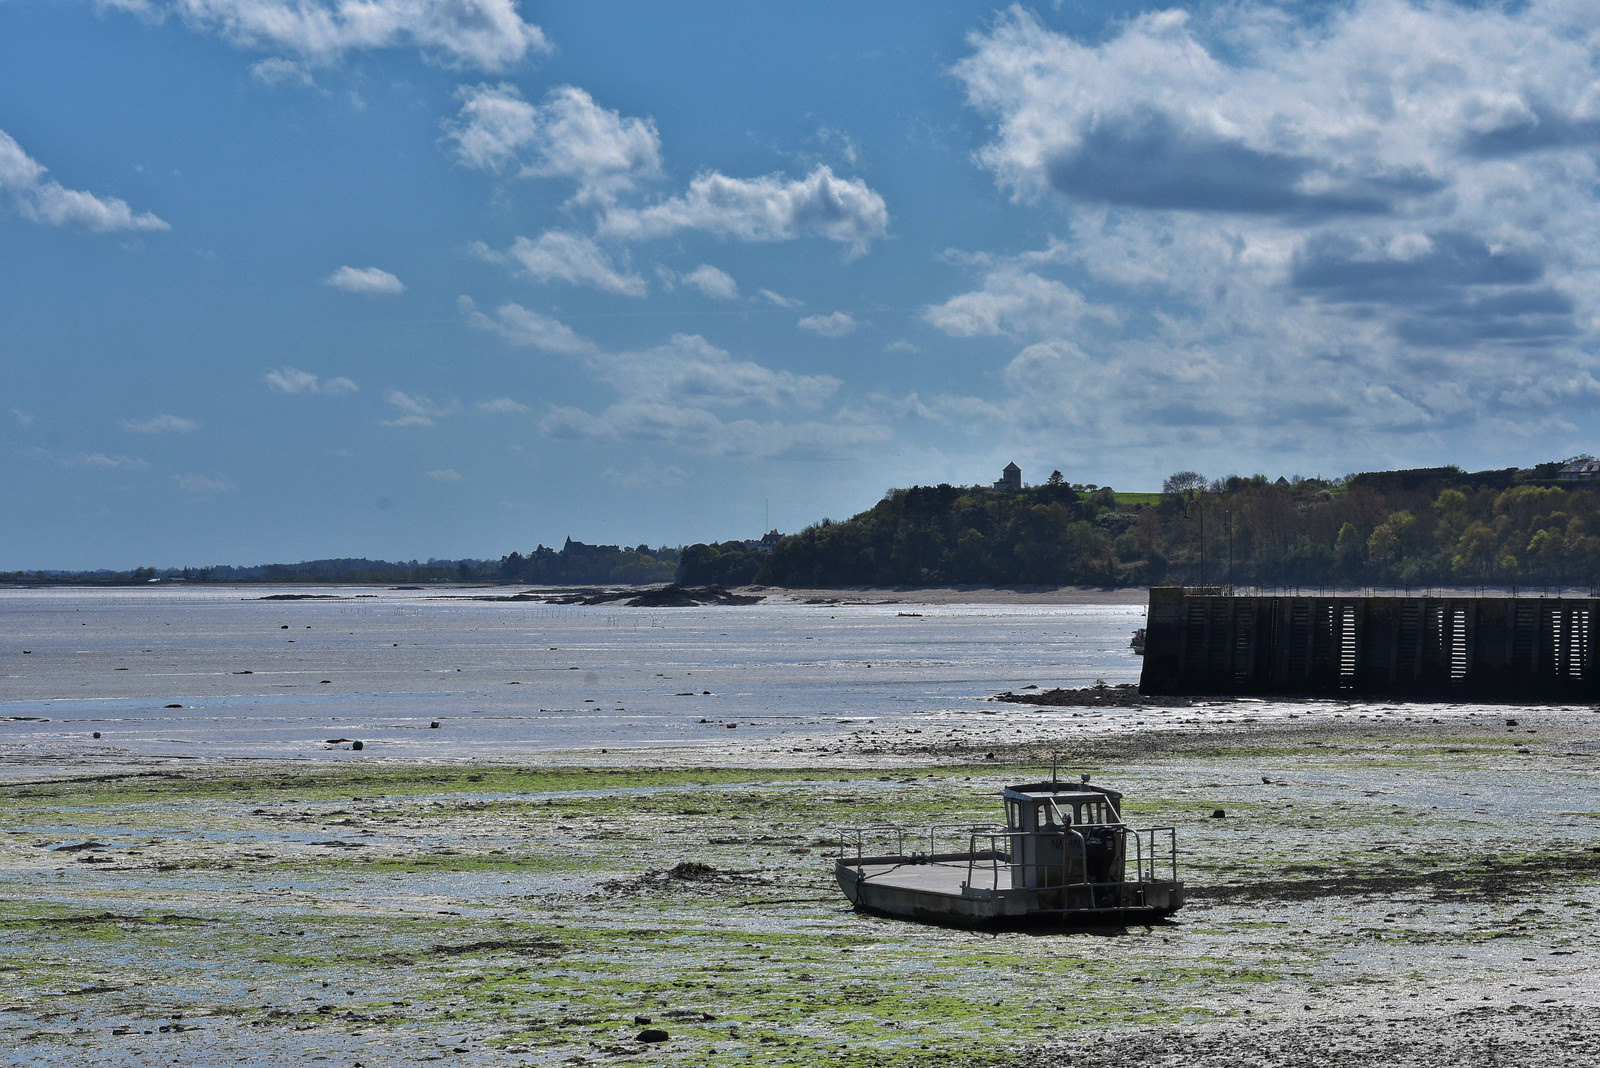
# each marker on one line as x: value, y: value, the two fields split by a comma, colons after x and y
x: 687, y: 875
x: 527, y: 946
x: 1122, y: 695
x: 670, y: 596
x: 1493, y: 879
x: 1499, y: 1037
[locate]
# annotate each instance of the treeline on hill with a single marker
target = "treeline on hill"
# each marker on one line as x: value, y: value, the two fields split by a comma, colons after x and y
x: 352, y: 570
x: 577, y: 564
x: 1416, y: 527
x: 574, y: 564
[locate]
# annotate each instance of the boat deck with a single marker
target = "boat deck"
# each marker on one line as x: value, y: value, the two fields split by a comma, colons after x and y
x: 936, y: 877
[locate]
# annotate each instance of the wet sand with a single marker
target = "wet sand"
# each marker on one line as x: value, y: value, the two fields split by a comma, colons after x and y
x: 953, y: 595
x: 1385, y: 889
x: 210, y: 673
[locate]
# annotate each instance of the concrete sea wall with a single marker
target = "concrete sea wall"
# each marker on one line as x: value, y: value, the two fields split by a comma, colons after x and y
x: 1466, y: 648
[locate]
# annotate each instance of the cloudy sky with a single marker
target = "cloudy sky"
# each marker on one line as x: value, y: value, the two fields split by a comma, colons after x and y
x: 404, y: 278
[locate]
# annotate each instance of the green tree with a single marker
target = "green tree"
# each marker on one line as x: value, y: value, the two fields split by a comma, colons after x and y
x: 1348, y: 553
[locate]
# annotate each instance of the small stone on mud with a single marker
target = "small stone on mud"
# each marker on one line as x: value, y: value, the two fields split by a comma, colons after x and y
x: 642, y: 1020
x: 652, y: 1034
x: 1218, y: 814
x: 1511, y: 723
x: 97, y: 734
x: 358, y: 745
x: 171, y: 706
x: 433, y: 725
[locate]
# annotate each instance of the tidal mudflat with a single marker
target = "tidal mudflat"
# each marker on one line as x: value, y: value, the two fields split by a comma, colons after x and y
x: 592, y: 845
x: 1419, y: 888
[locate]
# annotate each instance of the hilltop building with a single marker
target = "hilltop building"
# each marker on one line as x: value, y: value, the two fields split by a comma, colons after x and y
x: 1581, y: 469
x: 1010, y: 479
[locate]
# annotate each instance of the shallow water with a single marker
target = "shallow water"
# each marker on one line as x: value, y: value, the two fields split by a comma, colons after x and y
x: 500, y: 677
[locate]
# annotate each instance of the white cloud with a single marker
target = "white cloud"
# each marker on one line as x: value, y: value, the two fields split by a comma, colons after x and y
x: 527, y: 328
x: 1016, y: 302
x: 22, y: 417
x: 279, y: 71
x: 100, y: 461
x: 900, y: 345
x: 566, y: 257
x: 417, y: 410
x: 203, y: 484
x: 160, y: 424
x: 369, y: 280
x: 566, y: 136
x: 647, y: 475
x: 718, y: 285
x: 778, y: 300
x: 696, y: 430
x: 1264, y: 210
x: 446, y: 474
x: 487, y: 34
x: 293, y: 380
x: 670, y: 394
x: 689, y: 371
x: 501, y: 406
x: 835, y: 324
x: 47, y: 201
x: 770, y: 208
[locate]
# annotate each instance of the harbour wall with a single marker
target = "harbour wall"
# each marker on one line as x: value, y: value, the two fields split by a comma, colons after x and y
x: 1467, y: 648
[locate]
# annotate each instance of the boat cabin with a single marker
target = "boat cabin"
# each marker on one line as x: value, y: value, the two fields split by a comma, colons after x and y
x: 1053, y: 805
x: 1064, y: 855
x: 1065, y: 835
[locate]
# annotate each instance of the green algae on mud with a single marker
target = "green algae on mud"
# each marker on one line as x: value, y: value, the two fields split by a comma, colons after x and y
x: 530, y: 915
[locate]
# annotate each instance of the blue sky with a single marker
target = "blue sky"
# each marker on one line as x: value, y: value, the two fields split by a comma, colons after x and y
x: 283, y: 280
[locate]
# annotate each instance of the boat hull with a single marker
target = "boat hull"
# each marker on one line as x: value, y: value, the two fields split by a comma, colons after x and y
x: 935, y: 890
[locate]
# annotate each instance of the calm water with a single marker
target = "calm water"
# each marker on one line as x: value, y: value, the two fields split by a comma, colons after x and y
x: 249, y: 674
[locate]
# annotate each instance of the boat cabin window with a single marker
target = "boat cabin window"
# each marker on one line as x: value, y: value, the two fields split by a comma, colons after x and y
x: 1097, y: 812
x: 1037, y: 813
x: 1051, y: 817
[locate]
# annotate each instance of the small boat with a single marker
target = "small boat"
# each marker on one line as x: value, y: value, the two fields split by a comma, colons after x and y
x: 1137, y: 644
x: 1063, y: 857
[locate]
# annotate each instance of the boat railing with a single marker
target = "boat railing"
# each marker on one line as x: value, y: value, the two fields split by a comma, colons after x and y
x: 1163, y: 853
x: 993, y: 855
x: 943, y: 841
x: 1150, y: 854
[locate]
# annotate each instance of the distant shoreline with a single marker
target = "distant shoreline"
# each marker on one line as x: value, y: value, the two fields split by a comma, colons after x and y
x: 846, y: 595
x: 936, y: 595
